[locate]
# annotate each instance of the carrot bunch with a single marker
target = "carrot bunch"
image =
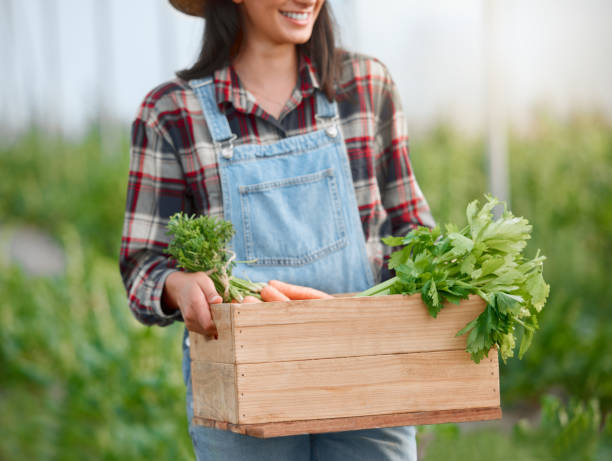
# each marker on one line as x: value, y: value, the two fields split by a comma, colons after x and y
x: 276, y: 290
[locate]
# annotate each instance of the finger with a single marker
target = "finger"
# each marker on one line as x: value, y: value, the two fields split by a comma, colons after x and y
x: 199, y: 320
x: 196, y: 302
x: 195, y: 327
x: 206, y: 321
x: 208, y: 288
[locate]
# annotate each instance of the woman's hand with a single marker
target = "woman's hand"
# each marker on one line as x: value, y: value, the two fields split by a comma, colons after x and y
x: 192, y: 293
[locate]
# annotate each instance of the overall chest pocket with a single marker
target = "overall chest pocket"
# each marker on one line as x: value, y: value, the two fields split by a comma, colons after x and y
x: 293, y: 221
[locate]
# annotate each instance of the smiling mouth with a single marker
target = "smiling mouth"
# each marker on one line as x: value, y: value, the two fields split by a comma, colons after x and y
x: 300, y: 17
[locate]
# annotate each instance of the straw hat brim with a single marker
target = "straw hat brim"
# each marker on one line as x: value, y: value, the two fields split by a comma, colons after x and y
x: 190, y: 7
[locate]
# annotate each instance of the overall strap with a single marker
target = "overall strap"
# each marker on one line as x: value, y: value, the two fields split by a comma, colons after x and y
x: 325, y: 107
x: 216, y: 121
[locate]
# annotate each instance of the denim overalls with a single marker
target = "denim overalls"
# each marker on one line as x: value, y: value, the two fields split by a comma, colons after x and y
x: 294, y: 209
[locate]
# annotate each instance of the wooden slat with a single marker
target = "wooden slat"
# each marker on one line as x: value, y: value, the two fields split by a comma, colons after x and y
x: 360, y: 386
x: 349, y: 327
x: 215, y: 350
x: 339, y: 309
x: 318, y: 426
x: 214, y: 391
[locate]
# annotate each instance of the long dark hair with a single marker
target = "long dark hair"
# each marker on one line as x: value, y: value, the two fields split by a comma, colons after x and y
x: 223, y: 36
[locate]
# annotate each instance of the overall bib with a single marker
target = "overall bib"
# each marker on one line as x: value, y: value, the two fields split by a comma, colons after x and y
x: 293, y: 206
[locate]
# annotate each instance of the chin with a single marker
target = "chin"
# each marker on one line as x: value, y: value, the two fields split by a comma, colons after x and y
x: 301, y: 41
x: 297, y: 39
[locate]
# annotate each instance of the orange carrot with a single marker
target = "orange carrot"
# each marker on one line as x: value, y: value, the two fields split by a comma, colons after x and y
x: 269, y: 293
x: 250, y: 299
x: 297, y: 291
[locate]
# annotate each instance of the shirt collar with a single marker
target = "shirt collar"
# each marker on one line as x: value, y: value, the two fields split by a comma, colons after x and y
x: 229, y: 90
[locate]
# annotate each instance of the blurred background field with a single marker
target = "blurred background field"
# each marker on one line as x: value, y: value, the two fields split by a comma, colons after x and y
x: 81, y: 379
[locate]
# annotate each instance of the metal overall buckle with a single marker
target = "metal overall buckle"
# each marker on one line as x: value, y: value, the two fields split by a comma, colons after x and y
x: 227, y: 147
x: 330, y: 124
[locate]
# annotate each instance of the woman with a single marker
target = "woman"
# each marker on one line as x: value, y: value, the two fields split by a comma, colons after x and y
x: 303, y: 148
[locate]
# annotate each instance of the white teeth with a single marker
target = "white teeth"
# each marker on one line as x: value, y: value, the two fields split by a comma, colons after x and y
x: 296, y: 16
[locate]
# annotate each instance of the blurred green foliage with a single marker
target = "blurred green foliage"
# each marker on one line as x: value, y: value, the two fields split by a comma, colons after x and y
x: 572, y: 431
x: 49, y: 182
x: 568, y: 432
x: 562, y: 180
x: 82, y: 379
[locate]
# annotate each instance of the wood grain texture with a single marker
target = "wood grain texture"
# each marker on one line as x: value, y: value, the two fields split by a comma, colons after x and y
x: 215, y: 350
x: 347, y: 327
x: 316, y: 310
x: 366, y: 385
x: 214, y: 391
x: 318, y: 426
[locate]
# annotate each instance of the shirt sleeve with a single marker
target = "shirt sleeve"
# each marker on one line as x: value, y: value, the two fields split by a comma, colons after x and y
x: 401, y: 195
x: 156, y: 190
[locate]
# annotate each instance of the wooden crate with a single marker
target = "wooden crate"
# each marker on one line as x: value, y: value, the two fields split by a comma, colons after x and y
x: 296, y: 367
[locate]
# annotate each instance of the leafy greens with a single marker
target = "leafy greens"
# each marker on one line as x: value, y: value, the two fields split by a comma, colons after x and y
x: 485, y: 259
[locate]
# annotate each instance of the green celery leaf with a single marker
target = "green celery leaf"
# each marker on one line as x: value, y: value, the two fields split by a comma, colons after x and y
x: 467, y: 264
x: 429, y: 293
x: 393, y: 241
x: 458, y: 291
x: 452, y: 296
x: 491, y: 265
x: 508, y: 227
x: 404, y: 287
x: 479, y: 249
x: 506, y: 346
x: 482, y: 218
x: 422, y: 262
x: 507, y: 304
x: 407, y: 271
x: 525, y: 342
x: 460, y: 244
x: 480, y: 339
x: 451, y: 229
x: 538, y: 290
x: 471, y: 211
x: 506, y: 246
x: 532, y: 324
x: 399, y: 257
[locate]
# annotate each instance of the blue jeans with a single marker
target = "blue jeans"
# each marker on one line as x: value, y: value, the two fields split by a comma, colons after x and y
x: 387, y: 444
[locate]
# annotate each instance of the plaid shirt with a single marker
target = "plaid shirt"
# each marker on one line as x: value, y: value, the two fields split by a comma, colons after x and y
x: 173, y: 165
